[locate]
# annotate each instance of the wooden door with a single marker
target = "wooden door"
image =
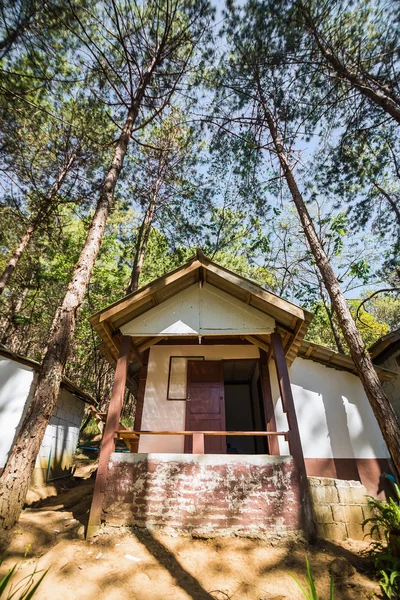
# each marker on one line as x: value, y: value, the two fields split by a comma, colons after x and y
x: 205, y: 408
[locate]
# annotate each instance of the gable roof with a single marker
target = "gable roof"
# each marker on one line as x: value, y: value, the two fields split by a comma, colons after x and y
x: 291, y: 320
x: 385, y: 346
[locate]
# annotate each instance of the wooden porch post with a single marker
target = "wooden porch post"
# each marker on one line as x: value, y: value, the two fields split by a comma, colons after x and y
x: 295, y: 447
x: 108, y: 441
x: 268, y: 404
x: 140, y: 398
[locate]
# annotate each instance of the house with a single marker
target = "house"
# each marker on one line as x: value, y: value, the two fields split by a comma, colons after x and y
x: 241, y: 426
x: 18, y: 377
x: 386, y: 353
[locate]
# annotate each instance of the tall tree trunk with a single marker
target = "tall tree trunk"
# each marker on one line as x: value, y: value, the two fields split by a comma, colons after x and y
x: 381, y: 406
x: 328, y: 310
x: 366, y: 84
x: 141, y: 247
x: 41, y: 215
x: 15, y: 479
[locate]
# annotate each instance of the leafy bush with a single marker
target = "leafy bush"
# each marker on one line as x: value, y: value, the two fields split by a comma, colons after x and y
x: 310, y: 593
x: 388, y: 568
x: 385, y: 520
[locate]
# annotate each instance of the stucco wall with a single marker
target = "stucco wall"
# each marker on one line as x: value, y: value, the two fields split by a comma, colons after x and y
x: 60, y: 439
x: 16, y: 388
x: 334, y: 415
x: 392, y: 388
x: 17, y: 383
x: 160, y: 414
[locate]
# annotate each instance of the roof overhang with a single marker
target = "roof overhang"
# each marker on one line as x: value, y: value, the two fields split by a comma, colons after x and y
x: 336, y: 360
x: 385, y: 346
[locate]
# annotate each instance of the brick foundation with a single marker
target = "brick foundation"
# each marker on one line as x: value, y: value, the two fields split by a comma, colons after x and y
x: 204, y: 494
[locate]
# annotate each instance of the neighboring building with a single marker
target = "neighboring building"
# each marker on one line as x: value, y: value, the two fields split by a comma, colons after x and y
x: 18, y: 377
x: 209, y: 353
x: 386, y: 353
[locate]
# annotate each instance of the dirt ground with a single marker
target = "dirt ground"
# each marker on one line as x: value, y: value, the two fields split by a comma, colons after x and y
x: 136, y: 564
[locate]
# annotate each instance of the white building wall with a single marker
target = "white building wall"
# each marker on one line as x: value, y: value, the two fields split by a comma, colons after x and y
x: 334, y: 415
x: 17, y: 384
x: 160, y: 414
x: 60, y: 439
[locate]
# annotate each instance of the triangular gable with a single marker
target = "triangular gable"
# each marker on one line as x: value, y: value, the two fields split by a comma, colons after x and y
x: 200, y: 310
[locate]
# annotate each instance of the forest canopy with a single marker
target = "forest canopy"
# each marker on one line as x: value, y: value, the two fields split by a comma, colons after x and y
x: 198, y: 169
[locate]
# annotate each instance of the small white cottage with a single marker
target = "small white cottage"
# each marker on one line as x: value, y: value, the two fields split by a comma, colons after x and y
x: 235, y: 411
x: 18, y: 377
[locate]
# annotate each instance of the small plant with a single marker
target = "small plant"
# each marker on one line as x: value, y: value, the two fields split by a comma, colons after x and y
x: 386, y: 520
x: 310, y: 593
x: 24, y: 589
x: 388, y: 568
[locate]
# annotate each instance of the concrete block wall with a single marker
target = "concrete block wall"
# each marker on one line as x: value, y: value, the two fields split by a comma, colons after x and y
x: 339, y: 508
x: 204, y: 494
x: 60, y: 439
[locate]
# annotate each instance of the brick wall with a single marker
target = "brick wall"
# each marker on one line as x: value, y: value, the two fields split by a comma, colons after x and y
x: 60, y: 439
x: 204, y: 494
x: 339, y: 508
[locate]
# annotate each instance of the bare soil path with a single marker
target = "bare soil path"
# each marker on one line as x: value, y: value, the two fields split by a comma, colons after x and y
x: 134, y: 564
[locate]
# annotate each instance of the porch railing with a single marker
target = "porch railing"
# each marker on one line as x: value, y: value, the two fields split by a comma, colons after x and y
x: 131, y: 438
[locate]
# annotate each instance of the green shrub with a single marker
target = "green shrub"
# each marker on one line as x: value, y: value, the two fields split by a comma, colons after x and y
x: 386, y: 521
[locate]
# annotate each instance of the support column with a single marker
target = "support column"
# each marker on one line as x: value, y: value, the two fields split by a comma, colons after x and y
x: 140, y: 398
x: 268, y: 403
x: 295, y: 446
x: 108, y: 441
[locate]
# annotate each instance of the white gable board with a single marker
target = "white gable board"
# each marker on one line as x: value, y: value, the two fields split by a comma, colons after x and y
x: 200, y: 311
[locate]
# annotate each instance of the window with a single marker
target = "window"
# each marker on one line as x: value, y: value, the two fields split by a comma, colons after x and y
x: 177, y: 381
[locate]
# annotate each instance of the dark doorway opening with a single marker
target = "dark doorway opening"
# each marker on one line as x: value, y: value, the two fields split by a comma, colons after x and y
x: 243, y: 406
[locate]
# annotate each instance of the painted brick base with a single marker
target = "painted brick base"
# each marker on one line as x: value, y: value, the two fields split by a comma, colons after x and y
x: 204, y: 494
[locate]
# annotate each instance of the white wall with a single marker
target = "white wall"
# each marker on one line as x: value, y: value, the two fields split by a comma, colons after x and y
x: 160, y: 414
x: 61, y: 436
x: 334, y: 415
x: 16, y: 386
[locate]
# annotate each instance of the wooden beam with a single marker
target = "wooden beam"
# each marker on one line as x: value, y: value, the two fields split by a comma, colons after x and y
x: 132, y: 434
x: 257, y: 342
x: 151, y: 342
x: 295, y: 446
x: 108, y: 443
x: 269, y: 409
x: 136, y: 352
